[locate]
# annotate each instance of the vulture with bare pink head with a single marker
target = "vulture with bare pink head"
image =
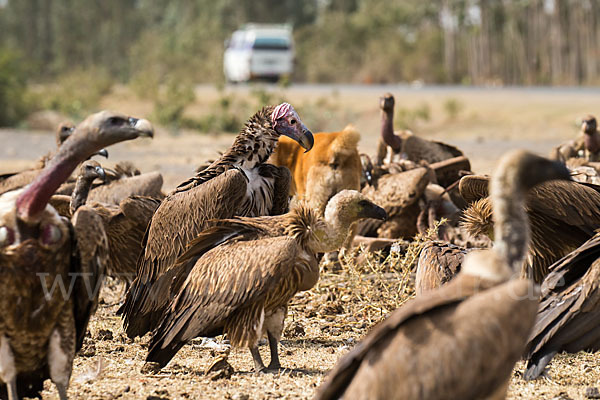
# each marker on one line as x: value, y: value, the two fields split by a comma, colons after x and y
x: 239, y: 183
x: 42, y: 253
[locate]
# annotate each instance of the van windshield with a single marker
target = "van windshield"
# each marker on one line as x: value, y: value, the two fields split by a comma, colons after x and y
x: 271, y: 43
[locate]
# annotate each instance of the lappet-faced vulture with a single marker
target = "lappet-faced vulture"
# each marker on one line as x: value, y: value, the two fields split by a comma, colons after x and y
x: 462, y: 340
x: 17, y: 180
x: 239, y: 183
x: 569, y: 313
x: 41, y: 326
x: 244, y: 271
x: 563, y: 216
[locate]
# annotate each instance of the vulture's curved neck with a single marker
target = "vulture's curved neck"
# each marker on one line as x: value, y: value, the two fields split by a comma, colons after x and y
x: 387, y: 131
x: 80, y: 193
x: 334, y: 234
x: 511, y: 224
x: 35, y: 197
x: 254, y: 145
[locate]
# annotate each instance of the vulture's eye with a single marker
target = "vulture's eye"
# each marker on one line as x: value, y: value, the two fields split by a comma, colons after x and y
x: 51, y: 234
x: 7, y: 236
x: 115, y: 121
x: 363, y: 203
x: 293, y: 121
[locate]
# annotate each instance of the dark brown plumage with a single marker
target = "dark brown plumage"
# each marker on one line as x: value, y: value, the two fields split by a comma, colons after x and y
x: 563, y: 215
x: 239, y: 183
x: 41, y: 326
x: 125, y: 224
x: 439, y: 262
x: 411, y: 146
x: 569, y: 313
x: 462, y: 340
x: 398, y: 194
x: 244, y: 271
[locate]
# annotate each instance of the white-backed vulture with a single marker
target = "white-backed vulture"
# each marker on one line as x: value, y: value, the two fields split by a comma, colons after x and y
x: 125, y: 224
x: 17, y: 180
x: 399, y: 195
x: 239, y: 183
x: 563, y: 215
x: 41, y: 325
x: 244, y: 271
x: 462, y: 340
x: 439, y: 262
x: 569, y: 313
x: 406, y: 143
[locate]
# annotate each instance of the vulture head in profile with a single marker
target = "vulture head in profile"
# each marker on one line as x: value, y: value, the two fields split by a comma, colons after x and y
x: 88, y: 173
x: 63, y: 131
x: 386, y: 103
x: 286, y: 122
x: 98, y: 130
x: 589, y: 125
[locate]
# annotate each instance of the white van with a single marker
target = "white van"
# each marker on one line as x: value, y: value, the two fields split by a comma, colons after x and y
x: 259, y: 51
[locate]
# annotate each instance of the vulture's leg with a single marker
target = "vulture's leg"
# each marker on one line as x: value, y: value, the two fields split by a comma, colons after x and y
x: 274, y: 327
x: 258, y: 363
x: 273, y: 342
x: 8, y: 372
x: 61, y: 352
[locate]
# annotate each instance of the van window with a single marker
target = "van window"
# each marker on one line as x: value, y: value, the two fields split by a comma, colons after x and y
x: 271, y: 43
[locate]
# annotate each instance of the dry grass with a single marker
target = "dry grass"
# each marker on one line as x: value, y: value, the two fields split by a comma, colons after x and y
x: 325, y: 322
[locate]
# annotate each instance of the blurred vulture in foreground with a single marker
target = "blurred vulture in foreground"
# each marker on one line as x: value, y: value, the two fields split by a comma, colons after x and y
x: 41, y: 327
x: 462, y: 340
x: 563, y: 215
x: 17, y: 180
x: 239, y: 183
x: 243, y: 272
x: 125, y: 224
x: 569, y: 313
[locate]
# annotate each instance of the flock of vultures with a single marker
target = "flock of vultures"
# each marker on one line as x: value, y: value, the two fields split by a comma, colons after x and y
x: 512, y: 273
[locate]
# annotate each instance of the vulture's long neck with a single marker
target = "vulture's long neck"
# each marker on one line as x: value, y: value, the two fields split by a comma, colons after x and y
x: 511, y: 224
x: 387, y: 131
x: 35, y: 197
x: 256, y: 141
x: 80, y: 192
x: 334, y: 232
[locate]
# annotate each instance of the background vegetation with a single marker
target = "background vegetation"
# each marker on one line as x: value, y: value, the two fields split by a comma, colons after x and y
x: 151, y: 44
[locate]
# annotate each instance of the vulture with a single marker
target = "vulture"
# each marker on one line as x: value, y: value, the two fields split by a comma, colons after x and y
x: 569, y: 313
x: 460, y: 341
x: 239, y: 183
x: 41, y: 253
x: 405, y: 143
x: 125, y: 224
x: 244, y: 271
x: 591, y: 138
x: 399, y: 194
x: 17, y: 180
x: 124, y: 181
x: 563, y: 215
x: 439, y: 262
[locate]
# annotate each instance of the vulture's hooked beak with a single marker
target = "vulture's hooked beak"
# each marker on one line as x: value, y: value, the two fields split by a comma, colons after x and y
x: 103, y: 153
x: 307, y: 140
x: 101, y: 173
x: 371, y: 210
x: 143, y: 126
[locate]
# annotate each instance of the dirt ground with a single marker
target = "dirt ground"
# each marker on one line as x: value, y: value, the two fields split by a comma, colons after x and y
x: 326, y: 321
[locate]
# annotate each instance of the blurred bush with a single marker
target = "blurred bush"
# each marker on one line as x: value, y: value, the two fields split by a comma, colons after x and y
x: 453, y: 107
x: 15, y: 100
x: 76, y: 93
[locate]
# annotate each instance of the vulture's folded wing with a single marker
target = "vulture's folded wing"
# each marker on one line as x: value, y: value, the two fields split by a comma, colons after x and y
x: 178, y: 220
x: 228, y: 287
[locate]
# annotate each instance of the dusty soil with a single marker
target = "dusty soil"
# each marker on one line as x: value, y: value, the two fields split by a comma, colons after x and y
x: 327, y: 320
